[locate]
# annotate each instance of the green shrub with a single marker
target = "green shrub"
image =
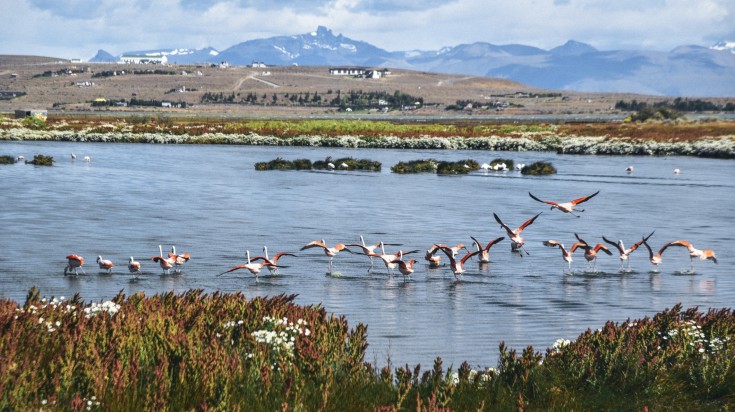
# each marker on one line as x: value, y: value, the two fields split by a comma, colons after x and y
x: 538, y: 169
x: 347, y: 163
x: 7, y: 160
x: 41, y: 160
x: 455, y: 168
x: 415, y: 166
x: 34, y: 122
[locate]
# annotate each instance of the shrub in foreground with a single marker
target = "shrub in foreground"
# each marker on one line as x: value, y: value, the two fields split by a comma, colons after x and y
x: 225, y: 352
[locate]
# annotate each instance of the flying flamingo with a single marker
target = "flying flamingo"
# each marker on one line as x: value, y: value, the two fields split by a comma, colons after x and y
x: 565, y: 254
x: 625, y: 253
x: 251, y: 266
x: 105, y: 264
x: 329, y: 251
x: 457, y: 266
x: 166, y: 264
x: 657, y: 258
x: 366, y: 249
x: 179, y: 260
x: 516, y: 240
x: 134, y: 266
x: 706, y: 254
x: 431, y: 256
x: 485, y: 251
x: 567, y: 207
x: 273, y: 263
x: 590, y: 252
x: 75, y: 263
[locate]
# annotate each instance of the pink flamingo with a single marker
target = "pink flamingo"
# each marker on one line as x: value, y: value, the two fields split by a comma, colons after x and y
x: 625, y: 253
x: 566, y: 255
x: 105, y: 264
x: 517, y: 241
x: 485, y: 251
x: 566, y: 207
x: 74, y: 262
x: 457, y: 266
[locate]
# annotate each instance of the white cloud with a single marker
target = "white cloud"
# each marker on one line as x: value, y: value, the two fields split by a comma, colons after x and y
x: 78, y: 28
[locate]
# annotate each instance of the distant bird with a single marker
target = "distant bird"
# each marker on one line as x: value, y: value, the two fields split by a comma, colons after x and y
x: 134, y: 267
x: 677, y: 171
x: 485, y: 167
x: 105, y: 264
x: 565, y: 254
x: 87, y: 159
x: 656, y: 259
x: 516, y: 239
x: 329, y: 251
x: 74, y: 263
x: 625, y: 253
x: 706, y: 254
x: 567, y: 207
x: 251, y: 266
x: 21, y: 158
x: 485, y: 250
x: 73, y: 156
x: 165, y: 263
x: 457, y: 266
x: 629, y: 169
x: 330, y: 165
x: 344, y: 165
x: 590, y: 252
x: 406, y: 268
x: 520, y: 166
x: 178, y: 260
x: 273, y: 263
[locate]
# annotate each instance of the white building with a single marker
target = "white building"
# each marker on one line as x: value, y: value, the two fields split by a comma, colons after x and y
x: 143, y: 59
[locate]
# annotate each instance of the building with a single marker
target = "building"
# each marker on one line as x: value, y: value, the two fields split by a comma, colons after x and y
x: 359, y: 72
x: 143, y: 59
x: 39, y: 114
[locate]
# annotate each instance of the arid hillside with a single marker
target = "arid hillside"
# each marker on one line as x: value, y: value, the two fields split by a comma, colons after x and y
x: 29, y: 82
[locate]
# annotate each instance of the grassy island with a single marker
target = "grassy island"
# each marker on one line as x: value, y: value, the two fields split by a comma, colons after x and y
x: 225, y: 352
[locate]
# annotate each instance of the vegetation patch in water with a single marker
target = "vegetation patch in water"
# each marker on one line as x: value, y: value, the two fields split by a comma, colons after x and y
x: 7, y: 160
x: 415, y: 166
x: 41, y: 160
x: 225, y: 352
x: 461, y: 167
x: 283, y: 164
x: 509, y: 164
x: 348, y: 163
x: 538, y: 169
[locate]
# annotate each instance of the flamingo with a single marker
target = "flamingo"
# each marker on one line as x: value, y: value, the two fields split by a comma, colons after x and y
x: 706, y: 254
x: 485, y: 251
x: 273, y: 263
x: 329, y: 251
x: 134, y: 266
x: 516, y: 240
x: 567, y: 207
x: 87, y: 159
x: 406, y: 268
x: 625, y: 253
x: 366, y: 249
x: 431, y: 256
x: 252, y: 267
x: 75, y: 263
x: 590, y: 252
x: 657, y: 258
x: 166, y: 264
x: 73, y: 156
x: 457, y: 266
x: 566, y: 255
x: 179, y: 260
x: 388, y: 259
x: 105, y: 264
x: 677, y: 171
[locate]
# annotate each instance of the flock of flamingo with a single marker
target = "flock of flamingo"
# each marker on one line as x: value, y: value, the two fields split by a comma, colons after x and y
x: 174, y: 261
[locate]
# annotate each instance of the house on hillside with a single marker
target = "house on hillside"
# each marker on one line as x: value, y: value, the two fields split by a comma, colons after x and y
x: 143, y: 59
x: 359, y: 72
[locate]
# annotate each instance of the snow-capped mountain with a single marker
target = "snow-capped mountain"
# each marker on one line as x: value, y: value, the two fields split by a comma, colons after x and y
x: 684, y: 71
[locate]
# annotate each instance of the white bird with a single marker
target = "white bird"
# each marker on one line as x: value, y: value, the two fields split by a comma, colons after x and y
x: 329, y: 251
x: 344, y: 165
x: 134, y: 266
x: 87, y: 159
x: 485, y: 167
x: 677, y: 171
x: 21, y: 158
x: 73, y: 156
x: 330, y: 165
x: 629, y: 169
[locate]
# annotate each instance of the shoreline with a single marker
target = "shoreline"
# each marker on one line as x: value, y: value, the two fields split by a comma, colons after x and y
x: 722, y: 147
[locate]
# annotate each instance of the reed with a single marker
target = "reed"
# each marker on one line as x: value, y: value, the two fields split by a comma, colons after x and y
x: 225, y: 352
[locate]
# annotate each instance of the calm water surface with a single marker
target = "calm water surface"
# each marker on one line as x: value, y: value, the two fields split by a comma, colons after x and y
x: 209, y: 201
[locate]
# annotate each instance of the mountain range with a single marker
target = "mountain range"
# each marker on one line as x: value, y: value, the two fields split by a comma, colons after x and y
x: 689, y: 71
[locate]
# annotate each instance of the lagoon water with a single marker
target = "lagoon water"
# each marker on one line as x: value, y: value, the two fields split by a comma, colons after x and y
x: 209, y: 201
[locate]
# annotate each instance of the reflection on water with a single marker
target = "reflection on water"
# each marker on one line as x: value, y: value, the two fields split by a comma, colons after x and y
x: 209, y: 201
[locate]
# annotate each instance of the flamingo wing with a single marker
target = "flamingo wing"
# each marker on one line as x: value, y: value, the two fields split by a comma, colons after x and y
x: 467, y: 256
x: 617, y: 246
x: 504, y: 226
x: 477, y: 243
x: 314, y: 243
x: 528, y: 222
x: 549, y: 202
x: 493, y: 242
x: 585, y: 198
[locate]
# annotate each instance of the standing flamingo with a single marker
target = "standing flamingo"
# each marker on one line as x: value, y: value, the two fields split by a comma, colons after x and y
x: 74, y: 262
x: 178, y: 260
x: 388, y: 259
x: 625, y: 253
x: 457, y: 266
x: 134, y: 267
x: 567, y: 207
x: 706, y: 254
x: 485, y: 251
x: 517, y: 241
x: 329, y: 251
x: 105, y: 264
x: 166, y: 264
x: 566, y: 255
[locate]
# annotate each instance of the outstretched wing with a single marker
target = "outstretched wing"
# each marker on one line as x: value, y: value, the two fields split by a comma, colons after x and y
x: 494, y: 241
x: 503, y: 225
x: 232, y: 269
x: 585, y: 198
x: 617, y: 246
x: 549, y: 202
x: 314, y: 243
x: 467, y: 256
x: 528, y: 222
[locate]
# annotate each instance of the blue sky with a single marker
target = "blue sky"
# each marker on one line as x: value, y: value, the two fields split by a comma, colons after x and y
x: 78, y: 28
